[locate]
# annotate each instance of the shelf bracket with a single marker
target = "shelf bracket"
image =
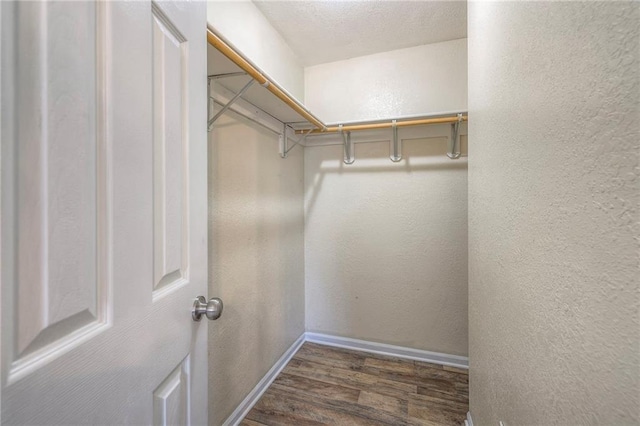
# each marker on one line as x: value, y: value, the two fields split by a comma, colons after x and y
x: 302, y: 138
x: 347, y: 142
x: 283, y: 142
x: 211, y: 103
x: 454, y: 140
x: 226, y: 75
x: 396, y: 144
x: 228, y: 104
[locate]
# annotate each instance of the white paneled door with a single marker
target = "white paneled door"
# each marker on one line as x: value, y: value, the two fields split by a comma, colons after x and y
x: 103, y: 212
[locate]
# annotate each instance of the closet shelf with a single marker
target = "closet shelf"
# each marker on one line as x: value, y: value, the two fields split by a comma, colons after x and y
x: 268, y: 104
x: 227, y: 61
x: 233, y: 60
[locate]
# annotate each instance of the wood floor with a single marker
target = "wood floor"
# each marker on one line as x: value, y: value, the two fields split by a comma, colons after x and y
x: 329, y: 386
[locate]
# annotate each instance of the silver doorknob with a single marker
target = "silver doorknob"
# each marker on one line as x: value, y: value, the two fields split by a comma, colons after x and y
x: 212, y: 309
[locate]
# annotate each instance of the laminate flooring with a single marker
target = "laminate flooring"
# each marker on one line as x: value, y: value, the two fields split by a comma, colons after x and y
x: 322, y: 385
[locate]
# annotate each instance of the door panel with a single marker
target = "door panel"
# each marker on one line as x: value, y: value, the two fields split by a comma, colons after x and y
x: 103, y: 216
x: 62, y: 296
x: 171, y: 398
x: 170, y: 98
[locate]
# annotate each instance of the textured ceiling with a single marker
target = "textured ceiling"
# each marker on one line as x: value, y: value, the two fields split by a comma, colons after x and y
x: 326, y: 31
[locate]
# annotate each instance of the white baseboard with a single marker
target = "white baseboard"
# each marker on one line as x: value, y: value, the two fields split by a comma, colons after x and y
x: 252, y: 398
x: 389, y: 350
x: 468, y: 422
x: 346, y: 343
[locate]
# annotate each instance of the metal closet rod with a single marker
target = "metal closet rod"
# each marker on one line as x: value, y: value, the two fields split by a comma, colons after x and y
x: 244, y: 64
x: 387, y: 125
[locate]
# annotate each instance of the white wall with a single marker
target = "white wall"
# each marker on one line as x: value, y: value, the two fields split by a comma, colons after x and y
x: 386, y: 243
x: 243, y: 25
x: 418, y: 80
x: 554, y: 301
x: 256, y: 258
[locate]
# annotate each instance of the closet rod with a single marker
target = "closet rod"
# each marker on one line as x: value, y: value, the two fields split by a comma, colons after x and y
x: 256, y: 74
x: 387, y: 125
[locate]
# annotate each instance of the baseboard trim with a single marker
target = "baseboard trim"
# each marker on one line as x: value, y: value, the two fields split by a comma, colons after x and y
x: 252, y: 398
x: 389, y: 350
x: 469, y: 421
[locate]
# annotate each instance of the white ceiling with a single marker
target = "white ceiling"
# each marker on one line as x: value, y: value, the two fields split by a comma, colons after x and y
x: 327, y: 31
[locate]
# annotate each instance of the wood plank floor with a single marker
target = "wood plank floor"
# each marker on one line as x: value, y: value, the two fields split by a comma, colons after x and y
x: 322, y: 385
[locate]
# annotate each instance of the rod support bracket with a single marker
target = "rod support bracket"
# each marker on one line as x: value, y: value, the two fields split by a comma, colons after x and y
x: 228, y: 104
x: 454, y: 141
x: 282, y: 142
x: 347, y: 142
x: 396, y: 143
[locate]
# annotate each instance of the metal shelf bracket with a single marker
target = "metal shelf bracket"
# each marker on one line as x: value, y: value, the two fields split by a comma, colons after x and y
x: 228, y: 104
x: 283, y: 142
x: 454, y: 140
x: 283, y: 145
x: 349, y: 155
x: 226, y: 75
x: 396, y: 143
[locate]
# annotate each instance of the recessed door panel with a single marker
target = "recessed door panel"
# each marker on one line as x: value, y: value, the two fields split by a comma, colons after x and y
x: 170, y: 147
x: 61, y: 244
x: 171, y: 398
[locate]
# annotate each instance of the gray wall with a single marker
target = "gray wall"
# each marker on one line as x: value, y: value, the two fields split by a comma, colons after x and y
x: 553, y: 213
x: 256, y: 259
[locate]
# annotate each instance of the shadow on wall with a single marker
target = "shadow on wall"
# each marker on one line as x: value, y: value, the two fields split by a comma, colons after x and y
x: 256, y: 228
x: 386, y: 244
x: 432, y: 156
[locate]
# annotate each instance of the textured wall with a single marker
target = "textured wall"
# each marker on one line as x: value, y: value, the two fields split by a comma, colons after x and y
x: 256, y: 258
x: 386, y: 245
x: 242, y: 24
x: 553, y: 213
x: 417, y: 80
